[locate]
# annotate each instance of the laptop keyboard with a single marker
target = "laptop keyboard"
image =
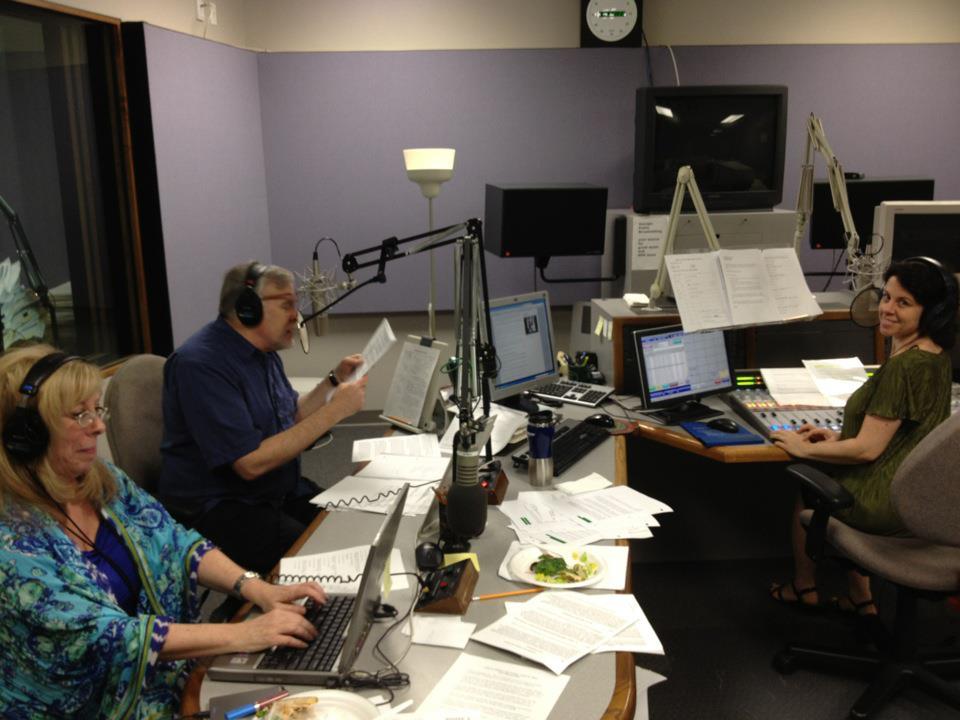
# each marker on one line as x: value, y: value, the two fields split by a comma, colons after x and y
x: 576, y: 393
x: 331, y: 620
x: 571, y: 445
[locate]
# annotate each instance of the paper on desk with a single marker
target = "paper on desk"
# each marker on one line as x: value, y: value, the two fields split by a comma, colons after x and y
x: 331, y: 567
x: 375, y: 495
x: 507, y: 423
x: 638, y: 637
x: 636, y: 299
x: 837, y: 378
x: 793, y: 386
x: 614, y: 556
x: 588, y: 483
x: 509, y: 691
x: 439, y: 630
x: 555, y: 629
x: 376, y: 347
x: 423, y: 445
x: 405, y: 467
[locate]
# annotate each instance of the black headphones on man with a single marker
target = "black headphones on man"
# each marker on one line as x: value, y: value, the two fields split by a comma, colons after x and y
x: 25, y: 435
x: 248, y: 305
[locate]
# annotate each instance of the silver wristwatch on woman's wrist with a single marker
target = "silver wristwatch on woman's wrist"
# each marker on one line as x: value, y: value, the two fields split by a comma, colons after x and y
x: 247, y: 575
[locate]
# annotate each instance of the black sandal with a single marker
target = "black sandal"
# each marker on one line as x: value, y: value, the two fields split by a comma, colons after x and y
x: 776, y: 592
x: 846, y: 606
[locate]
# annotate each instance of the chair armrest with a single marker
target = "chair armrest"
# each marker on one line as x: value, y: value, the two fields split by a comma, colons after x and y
x: 825, y: 496
x: 820, y: 489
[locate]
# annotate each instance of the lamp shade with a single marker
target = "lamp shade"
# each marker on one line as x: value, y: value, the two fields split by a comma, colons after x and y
x: 429, y: 167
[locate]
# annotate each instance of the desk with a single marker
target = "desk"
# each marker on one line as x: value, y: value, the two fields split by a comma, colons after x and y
x: 601, y: 686
x: 729, y: 503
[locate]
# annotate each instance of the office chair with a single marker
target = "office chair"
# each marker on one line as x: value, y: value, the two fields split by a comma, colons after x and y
x: 135, y: 428
x: 925, y: 492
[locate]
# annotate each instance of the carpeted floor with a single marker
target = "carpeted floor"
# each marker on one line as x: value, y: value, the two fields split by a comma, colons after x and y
x: 720, y: 631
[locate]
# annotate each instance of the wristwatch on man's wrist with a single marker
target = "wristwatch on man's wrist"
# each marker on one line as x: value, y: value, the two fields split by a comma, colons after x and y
x: 247, y: 575
x: 332, y: 377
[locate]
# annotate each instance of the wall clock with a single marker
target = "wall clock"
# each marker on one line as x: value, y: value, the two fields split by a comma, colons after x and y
x: 611, y: 23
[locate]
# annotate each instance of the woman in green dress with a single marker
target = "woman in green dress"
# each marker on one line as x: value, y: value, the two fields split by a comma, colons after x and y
x: 882, y: 421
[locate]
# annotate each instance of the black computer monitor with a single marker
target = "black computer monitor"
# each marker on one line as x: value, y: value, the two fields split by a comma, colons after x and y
x: 678, y: 368
x: 523, y: 339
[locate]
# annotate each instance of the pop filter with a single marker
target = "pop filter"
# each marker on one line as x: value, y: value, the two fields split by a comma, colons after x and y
x: 865, y: 308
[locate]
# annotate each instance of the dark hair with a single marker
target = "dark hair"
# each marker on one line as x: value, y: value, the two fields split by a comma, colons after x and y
x: 935, y: 288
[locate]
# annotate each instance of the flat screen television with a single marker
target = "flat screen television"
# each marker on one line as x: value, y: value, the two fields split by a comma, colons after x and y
x: 733, y: 136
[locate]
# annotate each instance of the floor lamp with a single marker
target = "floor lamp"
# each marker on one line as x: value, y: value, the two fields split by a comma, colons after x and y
x: 429, y: 168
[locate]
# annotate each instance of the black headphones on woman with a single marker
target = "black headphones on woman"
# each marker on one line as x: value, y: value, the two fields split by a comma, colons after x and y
x: 248, y: 306
x: 944, y: 312
x: 25, y: 435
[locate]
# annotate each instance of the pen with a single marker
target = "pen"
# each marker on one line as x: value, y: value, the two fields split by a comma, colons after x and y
x: 245, y: 710
x: 494, y: 596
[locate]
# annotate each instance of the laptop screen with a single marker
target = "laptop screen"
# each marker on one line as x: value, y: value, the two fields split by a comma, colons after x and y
x: 523, y: 338
x: 368, y: 595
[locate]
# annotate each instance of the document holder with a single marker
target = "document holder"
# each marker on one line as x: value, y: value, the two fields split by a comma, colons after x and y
x: 414, y: 402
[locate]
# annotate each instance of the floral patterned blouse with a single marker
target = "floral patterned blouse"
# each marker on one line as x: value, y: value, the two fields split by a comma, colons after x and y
x: 67, y: 650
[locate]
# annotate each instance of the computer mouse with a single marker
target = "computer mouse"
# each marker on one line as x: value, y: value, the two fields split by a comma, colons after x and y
x: 724, y: 425
x: 601, y: 420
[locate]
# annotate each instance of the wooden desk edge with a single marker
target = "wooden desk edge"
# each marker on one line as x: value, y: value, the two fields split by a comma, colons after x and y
x: 622, y: 703
x: 726, y: 454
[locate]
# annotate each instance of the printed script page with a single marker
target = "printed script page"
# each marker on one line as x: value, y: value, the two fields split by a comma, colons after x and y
x: 698, y: 289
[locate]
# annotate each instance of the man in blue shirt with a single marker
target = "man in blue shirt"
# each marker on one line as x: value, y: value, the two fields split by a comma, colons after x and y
x: 234, y: 427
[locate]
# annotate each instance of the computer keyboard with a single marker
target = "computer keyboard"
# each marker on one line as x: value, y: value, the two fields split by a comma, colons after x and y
x: 331, y: 620
x: 576, y: 393
x: 572, y: 443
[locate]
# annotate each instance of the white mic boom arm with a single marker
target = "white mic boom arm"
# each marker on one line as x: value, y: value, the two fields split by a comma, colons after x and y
x: 817, y: 140
x: 686, y: 182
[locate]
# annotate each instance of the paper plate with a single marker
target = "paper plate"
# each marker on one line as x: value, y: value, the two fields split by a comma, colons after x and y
x: 520, y: 568
x: 329, y: 705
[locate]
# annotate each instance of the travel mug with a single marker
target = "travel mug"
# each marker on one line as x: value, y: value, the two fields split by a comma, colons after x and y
x: 540, y: 430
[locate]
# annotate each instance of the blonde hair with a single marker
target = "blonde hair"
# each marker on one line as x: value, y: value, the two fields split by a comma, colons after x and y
x: 68, y: 386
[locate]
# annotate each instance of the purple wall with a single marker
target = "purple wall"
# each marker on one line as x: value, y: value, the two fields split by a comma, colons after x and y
x: 209, y: 150
x: 334, y: 125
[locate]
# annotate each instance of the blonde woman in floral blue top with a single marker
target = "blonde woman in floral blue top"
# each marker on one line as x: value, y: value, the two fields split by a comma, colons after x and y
x: 98, y: 585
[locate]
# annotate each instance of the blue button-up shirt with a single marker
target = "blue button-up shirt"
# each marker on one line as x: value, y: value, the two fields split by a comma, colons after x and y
x: 222, y: 397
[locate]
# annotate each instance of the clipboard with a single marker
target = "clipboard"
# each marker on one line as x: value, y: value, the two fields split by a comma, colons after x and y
x: 414, y: 401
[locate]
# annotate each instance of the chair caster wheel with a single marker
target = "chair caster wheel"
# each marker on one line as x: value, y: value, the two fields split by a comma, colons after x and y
x: 784, y: 662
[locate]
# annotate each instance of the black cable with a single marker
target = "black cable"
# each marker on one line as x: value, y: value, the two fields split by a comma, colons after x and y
x: 329, y: 239
x: 383, y: 495
x: 646, y: 47
x: 833, y: 272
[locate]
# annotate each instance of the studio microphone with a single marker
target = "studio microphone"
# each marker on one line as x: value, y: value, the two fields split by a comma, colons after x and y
x: 318, y: 298
x: 466, y: 499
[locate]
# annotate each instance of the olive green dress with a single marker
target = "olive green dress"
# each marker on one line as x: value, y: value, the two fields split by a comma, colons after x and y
x: 914, y: 387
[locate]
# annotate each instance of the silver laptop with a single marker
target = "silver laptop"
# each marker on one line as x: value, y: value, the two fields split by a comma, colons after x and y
x: 262, y: 667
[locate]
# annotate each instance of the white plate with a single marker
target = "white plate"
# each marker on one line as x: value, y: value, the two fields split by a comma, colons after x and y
x: 331, y: 705
x: 520, y: 567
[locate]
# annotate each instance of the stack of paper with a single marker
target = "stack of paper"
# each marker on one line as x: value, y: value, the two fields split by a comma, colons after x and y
x: 820, y: 383
x: 338, y: 571
x: 374, y: 487
x: 425, y: 445
x: 557, y: 628
x: 376, y: 347
x: 553, y: 517
x: 639, y: 637
x: 508, y: 691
